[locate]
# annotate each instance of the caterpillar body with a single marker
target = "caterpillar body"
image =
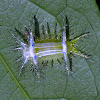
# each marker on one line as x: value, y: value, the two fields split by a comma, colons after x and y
x: 34, y: 49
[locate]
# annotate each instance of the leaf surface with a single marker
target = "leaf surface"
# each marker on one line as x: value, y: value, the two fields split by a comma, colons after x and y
x: 54, y: 83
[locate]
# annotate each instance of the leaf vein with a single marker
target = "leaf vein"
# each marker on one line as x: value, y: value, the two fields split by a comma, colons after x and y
x: 11, y: 73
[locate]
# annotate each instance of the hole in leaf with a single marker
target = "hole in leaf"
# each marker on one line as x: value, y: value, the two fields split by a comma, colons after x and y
x: 98, y: 3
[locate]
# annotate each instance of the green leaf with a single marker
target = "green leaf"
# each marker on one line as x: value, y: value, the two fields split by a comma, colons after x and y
x: 54, y: 83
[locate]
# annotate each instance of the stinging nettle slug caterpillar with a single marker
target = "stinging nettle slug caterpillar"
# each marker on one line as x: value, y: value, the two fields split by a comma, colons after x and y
x: 52, y: 47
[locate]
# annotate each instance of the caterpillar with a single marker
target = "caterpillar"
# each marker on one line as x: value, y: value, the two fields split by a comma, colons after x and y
x: 34, y: 48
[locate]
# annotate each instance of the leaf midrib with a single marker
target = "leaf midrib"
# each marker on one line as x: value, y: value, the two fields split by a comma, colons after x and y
x: 11, y: 73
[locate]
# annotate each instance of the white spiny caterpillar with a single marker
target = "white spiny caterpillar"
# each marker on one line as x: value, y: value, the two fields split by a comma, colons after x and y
x: 33, y: 50
x: 28, y: 50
